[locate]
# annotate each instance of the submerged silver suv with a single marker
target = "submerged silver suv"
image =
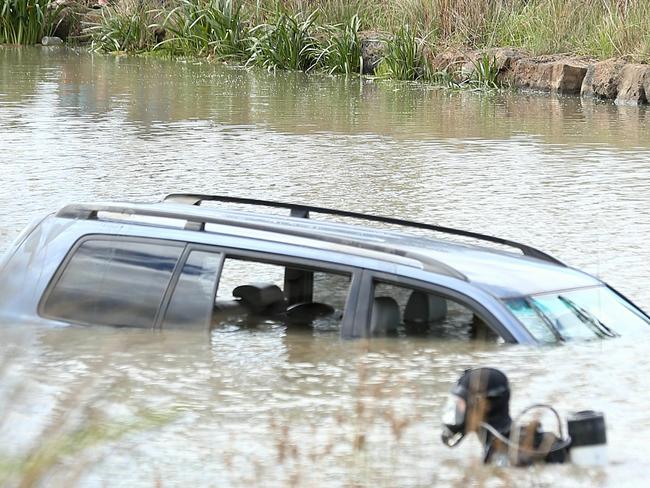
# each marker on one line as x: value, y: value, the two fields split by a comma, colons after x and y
x: 177, y: 264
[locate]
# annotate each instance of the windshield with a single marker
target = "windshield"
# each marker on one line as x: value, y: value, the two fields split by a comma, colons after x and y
x: 577, y: 314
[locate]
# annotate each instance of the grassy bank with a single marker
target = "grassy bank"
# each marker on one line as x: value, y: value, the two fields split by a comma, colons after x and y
x: 272, y: 36
x: 598, y: 28
x: 325, y: 34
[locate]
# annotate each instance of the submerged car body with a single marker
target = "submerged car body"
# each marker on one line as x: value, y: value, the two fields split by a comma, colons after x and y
x: 179, y: 264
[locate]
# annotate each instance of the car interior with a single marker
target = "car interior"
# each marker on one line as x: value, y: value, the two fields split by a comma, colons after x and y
x: 251, y: 293
x: 403, y: 311
x: 296, y: 297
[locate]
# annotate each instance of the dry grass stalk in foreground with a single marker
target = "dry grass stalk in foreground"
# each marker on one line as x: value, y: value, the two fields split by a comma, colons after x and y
x: 74, y: 428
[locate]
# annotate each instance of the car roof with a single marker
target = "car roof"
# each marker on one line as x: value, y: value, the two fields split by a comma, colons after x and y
x: 501, y: 273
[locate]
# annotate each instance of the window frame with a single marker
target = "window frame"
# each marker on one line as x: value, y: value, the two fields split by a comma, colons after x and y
x: 60, y: 271
x: 176, y: 275
x: 366, y: 296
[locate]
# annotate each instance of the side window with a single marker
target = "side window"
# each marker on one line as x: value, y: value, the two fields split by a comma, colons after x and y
x: 254, y: 292
x: 193, y: 298
x: 113, y: 282
x: 404, y: 311
x: 238, y: 272
x: 331, y: 288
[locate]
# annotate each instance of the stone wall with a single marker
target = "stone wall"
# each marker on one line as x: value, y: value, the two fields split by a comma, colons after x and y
x: 614, y: 79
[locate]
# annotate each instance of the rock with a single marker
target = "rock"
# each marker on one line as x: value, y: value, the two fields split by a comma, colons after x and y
x: 451, y: 60
x: 373, y: 50
x: 548, y: 74
x: 602, y: 79
x: 505, y: 57
x: 69, y: 18
x: 532, y: 74
x: 633, y: 85
x: 160, y: 33
x: 613, y: 79
x: 568, y: 76
x: 51, y: 41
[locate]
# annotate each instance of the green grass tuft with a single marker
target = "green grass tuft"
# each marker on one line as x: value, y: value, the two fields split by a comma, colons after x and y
x: 343, y: 52
x: 206, y: 27
x: 484, y: 73
x: 287, y: 43
x: 405, y: 57
x: 27, y: 21
x: 128, y: 26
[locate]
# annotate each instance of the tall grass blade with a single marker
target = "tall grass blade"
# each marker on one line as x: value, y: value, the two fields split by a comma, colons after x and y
x: 27, y: 21
x: 206, y: 27
x: 405, y: 57
x: 127, y: 26
x: 287, y: 43
x: 343, y: 51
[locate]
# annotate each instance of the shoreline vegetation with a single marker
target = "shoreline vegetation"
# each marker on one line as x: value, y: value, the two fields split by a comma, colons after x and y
x: 596, y: 48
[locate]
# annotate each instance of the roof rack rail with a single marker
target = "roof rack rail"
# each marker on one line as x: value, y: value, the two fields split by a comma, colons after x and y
x: 198, y: 223
x: 298, y: 210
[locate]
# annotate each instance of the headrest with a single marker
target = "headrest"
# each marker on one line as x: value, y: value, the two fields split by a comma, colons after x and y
x: 385, y: 316
x: 259, y: 296
x: 422, y: 309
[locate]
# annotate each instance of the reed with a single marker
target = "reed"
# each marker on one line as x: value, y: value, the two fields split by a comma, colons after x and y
x: 343, y: 52
x: 543, y: 25
x: 616, y: 29
x: 483, y: 76
x: 127, y: 26
x: 599, y: 28
x: 27, y: 21
x: 45, y: 459
x: 287, y: 43
x: 331, y: 12
x: 77, y: 424
x: 405, y: 57
x: 484, y: 73
x: 206, y: 27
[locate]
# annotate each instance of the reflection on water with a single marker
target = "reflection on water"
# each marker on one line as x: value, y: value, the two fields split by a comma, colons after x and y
x: 266, y: 407
x: 152, y: 93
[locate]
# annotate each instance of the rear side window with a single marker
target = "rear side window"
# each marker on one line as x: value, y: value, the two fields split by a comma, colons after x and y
x: 404, y: 311
x: 113, y: 282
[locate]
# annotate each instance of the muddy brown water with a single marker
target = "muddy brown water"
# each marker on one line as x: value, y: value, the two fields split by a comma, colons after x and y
x: 263, y: 407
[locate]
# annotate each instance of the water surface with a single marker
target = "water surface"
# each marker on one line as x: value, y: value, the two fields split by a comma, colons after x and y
x: 274, y: 409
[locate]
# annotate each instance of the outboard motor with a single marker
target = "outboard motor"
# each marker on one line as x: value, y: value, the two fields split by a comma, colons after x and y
x: 588, y: 438
x: 480, y: 402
